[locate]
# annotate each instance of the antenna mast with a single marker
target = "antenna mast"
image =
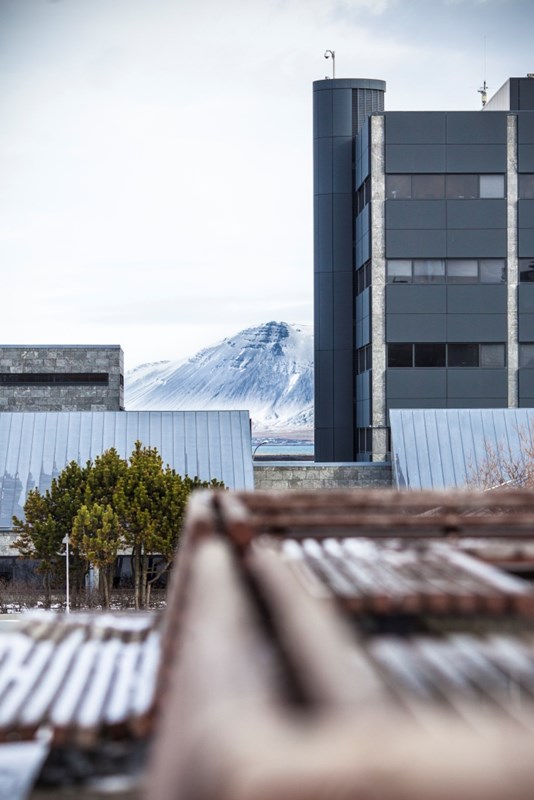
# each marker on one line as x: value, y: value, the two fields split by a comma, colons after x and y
x: 483, y: 91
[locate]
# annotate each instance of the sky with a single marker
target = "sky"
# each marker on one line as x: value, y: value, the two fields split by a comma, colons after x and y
x: 156, y: 155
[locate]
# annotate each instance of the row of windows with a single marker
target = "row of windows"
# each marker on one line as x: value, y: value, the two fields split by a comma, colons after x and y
x: 438, y: 354
x: 363, y: 277
x: 363, y: 359
x: 440, y: 187
x: 50, y: 378
x: 363, y: 196
x: 441, y: 270
x: 526, y: 270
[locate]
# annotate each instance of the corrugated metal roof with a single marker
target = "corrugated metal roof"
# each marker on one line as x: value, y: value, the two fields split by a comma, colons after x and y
x: 36, y: 446
x: 441, y: 448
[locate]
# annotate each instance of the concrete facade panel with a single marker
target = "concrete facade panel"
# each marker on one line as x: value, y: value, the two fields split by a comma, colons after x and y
x: 342, y: 301
x: 415, y: 158
x: 342, y: 233
x: 476, y: 328
x: 525, y: 298
x: 526, y: 382
x: 477, y: 383
x: 416, y: 244
x: 342, y: 165
x: 415, y: 127
x: 420, y: 384
x: 342, y: 112
x: 526, y: 243
x: 476, y: 243
x: 325, y: 177
x: 415, y: 214
x: 416, y: 327
x: 525, y: 158
x: 322, y: 103
x: 467, y: 127
x: 323, y: 204
x: 410, y: 299
x: 481, y: 299
x: 526, y: 327
x: 468, y: 158
x: 525, y: 213
x: 477, y: 214
x: 324, y: 330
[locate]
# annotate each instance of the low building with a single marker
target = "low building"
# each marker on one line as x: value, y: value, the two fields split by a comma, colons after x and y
x: 61, y: 378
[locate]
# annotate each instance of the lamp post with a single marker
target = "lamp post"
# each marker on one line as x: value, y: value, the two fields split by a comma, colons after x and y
x: 332, y: 54
x: 257, y: 446
x: 65, y: 541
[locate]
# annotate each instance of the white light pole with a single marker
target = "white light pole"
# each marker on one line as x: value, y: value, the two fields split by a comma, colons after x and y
x: 65, y: 541
x: 332, y: 54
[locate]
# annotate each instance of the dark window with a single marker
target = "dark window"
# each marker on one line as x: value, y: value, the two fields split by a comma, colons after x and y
x: 429, y: 355
x: 491, y: 186
x: 360, y: 280
x: 492, y: 355
x: 526, y: 355
x: 363, y: 359
x: 463, y: 355
x: 367, y: 274
x: 49, y: 378
x: 400, y: 355
x: 429, y: 270
x: 428, y: 187
x: 462, y: 270
x: 121, y: 380
x: 492, y: 270
x: 399, y: 271
x: 526, y: 187
x: 526, y: 270
x: 461, y: 187
x: 398, y: 187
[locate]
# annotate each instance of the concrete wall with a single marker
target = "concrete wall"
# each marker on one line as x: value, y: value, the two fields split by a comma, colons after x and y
x: 54, y: 391
x: 299, y: 475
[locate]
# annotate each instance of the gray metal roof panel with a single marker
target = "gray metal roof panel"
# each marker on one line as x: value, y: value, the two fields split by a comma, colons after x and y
x: 440, y: 448
x: 36, y: 446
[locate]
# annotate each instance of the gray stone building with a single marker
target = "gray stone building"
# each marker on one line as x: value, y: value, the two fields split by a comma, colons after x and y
x: 424, y: 260
x: 61, y: 378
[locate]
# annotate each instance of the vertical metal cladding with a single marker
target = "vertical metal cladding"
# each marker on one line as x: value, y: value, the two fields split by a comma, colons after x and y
x: 340, y: 107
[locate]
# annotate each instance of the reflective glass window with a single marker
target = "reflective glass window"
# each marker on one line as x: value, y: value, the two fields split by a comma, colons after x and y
x: 429, y: 355
x: 463, y: 355
x: 491, y: 186
x: 429, y: 270
x: 461, y: 187
x: 526, y: 270
x: 399, y: 271
x: 398, y: 187
x: 526, y: 187
x: 462, y: 270
x: 526, y: 355
x: 492, y: 270
x: 492, y: 355
x: 428, y: 187
x: 400, y: 355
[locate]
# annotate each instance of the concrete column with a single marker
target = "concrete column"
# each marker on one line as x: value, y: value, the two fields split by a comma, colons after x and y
x: 378, y: 289
x: 513, y: 262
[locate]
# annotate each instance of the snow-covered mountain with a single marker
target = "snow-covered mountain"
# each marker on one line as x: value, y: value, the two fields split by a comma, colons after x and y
x: 267, y: 370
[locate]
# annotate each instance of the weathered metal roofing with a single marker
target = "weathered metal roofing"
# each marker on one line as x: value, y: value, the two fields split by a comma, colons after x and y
x: 36, y: 446
x: 442, y: 448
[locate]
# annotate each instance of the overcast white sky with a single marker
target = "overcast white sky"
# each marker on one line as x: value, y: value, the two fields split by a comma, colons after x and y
x: 155, y: 155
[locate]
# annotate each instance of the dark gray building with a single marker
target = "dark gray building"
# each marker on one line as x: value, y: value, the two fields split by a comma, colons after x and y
x: 61, y: 378
x: 424, y: 260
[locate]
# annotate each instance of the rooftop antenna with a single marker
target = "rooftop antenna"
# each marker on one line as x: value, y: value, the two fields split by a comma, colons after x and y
x: 483, y: 91
x: 331, y: 54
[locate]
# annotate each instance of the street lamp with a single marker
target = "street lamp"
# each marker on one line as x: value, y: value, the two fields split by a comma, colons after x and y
x: 257, y: 446
x: 332, y: 54
x: 65, y: 541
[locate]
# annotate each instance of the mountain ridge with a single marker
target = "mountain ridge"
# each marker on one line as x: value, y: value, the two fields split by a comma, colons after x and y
x: 266, y: 369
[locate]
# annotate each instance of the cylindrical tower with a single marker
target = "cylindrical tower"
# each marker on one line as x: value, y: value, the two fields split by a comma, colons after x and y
x: 340, y: 107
